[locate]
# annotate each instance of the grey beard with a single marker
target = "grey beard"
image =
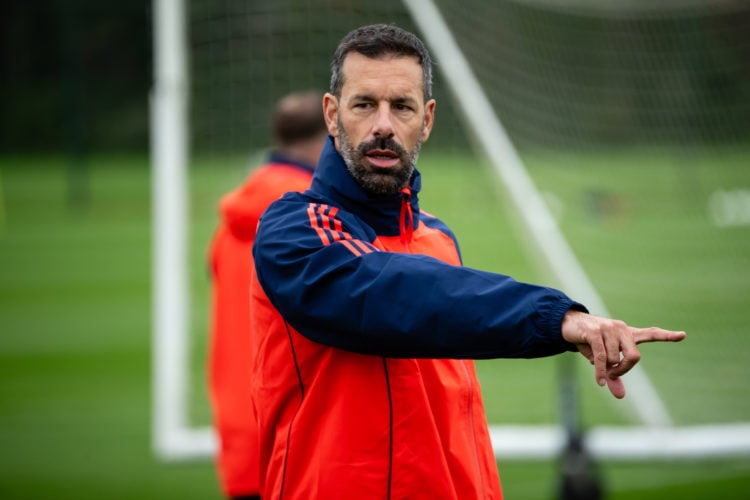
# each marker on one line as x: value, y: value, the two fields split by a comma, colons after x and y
x: 377, y: 183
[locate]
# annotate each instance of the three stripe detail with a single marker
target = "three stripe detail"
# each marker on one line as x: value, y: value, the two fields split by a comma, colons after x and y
x: 329, y: 229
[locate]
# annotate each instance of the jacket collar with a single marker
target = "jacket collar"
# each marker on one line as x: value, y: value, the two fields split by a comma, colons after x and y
x: 333, y: 180
x: 280, y: 158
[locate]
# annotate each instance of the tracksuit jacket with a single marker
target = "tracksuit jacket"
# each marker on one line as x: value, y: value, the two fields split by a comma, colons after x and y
x: 366, y: 325
x: 230, y: 261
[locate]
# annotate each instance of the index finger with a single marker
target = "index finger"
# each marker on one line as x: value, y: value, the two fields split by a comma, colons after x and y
x: 655, y: 334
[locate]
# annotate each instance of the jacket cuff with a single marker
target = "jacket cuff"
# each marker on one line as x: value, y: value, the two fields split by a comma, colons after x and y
x: 557, y: 316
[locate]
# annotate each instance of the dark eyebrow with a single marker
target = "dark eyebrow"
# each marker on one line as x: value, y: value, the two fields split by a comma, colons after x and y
x: 362, y: 97
x: 404, y: 100
x: 398, y: 100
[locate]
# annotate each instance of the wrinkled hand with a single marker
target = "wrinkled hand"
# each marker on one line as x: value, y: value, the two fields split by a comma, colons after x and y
x: 610, y: 345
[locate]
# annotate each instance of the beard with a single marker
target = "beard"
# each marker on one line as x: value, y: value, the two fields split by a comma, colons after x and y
x: 379, y: 182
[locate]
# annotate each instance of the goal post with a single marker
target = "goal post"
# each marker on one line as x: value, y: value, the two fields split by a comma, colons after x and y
x: 172, y: 435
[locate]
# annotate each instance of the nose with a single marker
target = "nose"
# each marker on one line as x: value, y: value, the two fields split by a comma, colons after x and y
x: 383, y: 126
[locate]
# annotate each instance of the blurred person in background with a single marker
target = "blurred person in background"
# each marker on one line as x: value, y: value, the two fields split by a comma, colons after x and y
x: 299, y: 132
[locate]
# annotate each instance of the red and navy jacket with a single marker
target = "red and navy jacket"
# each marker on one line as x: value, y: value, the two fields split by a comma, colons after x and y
x: 366, y: 324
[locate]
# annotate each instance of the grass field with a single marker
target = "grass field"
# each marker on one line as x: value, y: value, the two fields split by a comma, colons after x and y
x: 76, y: 321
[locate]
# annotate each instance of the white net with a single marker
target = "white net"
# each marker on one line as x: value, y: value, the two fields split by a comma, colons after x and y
x: 634, y: 119
x: 577, y: 73
x: 245, y: 55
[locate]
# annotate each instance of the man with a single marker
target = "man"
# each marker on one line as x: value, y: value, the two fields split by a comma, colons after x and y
x: 299, y: 132
x: 363, y: 380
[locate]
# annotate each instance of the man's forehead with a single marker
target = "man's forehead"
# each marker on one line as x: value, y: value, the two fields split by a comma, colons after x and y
x: 397, y: 73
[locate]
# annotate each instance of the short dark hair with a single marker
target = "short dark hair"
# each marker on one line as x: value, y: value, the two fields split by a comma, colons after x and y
x: 376, y: 41
x: 298, y: 117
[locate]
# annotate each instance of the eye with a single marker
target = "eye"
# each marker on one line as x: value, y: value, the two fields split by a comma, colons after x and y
x: 401, y: 107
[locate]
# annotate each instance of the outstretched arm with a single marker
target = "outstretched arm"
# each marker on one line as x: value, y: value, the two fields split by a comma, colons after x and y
x: 610, y: 345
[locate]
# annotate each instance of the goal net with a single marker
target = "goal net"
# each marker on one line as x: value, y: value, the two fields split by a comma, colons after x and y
x: 609, y: 140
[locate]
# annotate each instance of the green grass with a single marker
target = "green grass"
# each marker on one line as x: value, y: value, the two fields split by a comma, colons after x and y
x: 75, y: 299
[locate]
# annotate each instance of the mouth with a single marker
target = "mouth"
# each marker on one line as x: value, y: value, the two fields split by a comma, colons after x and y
x: 383, y: 158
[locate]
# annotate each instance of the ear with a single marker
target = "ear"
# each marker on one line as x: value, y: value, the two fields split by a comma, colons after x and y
x: 331, y: 113
x: 429, y: 119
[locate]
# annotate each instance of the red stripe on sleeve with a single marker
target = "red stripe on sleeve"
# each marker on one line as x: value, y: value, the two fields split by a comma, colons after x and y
x: 336, y: 222
x: 315, y: 225
x: 363, y: 246
x: 330, y: 230
x: 332, y: 225
x: 351, y: 248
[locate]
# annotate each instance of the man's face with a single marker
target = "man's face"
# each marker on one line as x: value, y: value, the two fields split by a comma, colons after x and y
x: 380, y: 120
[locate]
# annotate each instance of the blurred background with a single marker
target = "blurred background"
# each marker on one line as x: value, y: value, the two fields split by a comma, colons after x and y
x: 632, y: 119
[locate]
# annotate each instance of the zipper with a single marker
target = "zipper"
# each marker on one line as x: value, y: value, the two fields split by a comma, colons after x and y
x: 406, y: 218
